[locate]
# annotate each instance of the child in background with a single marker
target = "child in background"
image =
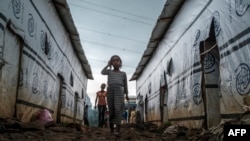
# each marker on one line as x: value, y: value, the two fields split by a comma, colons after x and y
x: 101, y: 98
x: 117, y: 87
x: 86, y: 121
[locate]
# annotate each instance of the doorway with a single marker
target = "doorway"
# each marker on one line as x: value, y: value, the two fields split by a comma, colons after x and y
x: 10, y: 72
x: 146, y: 108
x: 210, y: 61
x: 75, y: 106
x: 162, y: 93
x: 59, y: 104
x: 163, y: 98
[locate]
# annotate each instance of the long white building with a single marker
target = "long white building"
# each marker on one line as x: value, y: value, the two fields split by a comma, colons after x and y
x: 42, y: 63
x: 195, y: 70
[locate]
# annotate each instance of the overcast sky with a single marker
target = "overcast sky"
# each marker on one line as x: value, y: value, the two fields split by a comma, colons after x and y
x: 109, y: 27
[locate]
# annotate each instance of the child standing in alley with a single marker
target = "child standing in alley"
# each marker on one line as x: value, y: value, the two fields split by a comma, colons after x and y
x: 117, y: 87
x: 101, y: 98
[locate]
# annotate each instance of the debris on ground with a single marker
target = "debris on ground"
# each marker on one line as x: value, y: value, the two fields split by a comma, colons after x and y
x: 14, y: 130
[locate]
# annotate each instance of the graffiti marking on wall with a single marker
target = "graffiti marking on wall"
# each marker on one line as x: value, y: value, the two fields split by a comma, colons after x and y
x: 241, y: 7
x: 16, y: 5
x: 42, y: 40
x: 209, y: 62
x: 243, y: 79
x: 230, y: 11
x: 196, y: 94
x: 229, y: 82
x: 217, y: 27
x: 45, y: 89
x: 35, y: 83
x: 31, y: 25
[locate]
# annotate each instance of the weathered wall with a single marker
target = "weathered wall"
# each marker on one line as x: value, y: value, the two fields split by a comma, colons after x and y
x: 181, y: 45
x: 46, y: 52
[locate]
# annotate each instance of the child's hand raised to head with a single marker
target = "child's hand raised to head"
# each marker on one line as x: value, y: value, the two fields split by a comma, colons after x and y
x: 109, y: 63
x: 127, y: 97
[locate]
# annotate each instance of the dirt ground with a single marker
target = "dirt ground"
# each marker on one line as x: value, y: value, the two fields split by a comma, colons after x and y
x: 14, y: 130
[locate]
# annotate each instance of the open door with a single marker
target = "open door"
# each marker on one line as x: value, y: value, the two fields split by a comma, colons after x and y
x: 146, y: 108
x: 210, y: 79
x: 59, y: 104
x: 162, y: 92
x: 75, y: 105
x: 163, y: 98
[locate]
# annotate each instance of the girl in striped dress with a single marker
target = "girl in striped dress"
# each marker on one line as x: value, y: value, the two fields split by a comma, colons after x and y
x: 116, y: 88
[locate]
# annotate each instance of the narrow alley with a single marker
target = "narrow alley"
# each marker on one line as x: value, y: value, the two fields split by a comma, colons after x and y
x: 173, y: 70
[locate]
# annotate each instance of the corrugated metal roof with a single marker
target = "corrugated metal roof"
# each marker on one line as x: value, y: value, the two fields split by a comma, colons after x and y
x: 169, y: 11
x: 67, y: 20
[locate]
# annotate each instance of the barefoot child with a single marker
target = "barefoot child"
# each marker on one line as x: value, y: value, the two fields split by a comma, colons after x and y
x: 117, y: 87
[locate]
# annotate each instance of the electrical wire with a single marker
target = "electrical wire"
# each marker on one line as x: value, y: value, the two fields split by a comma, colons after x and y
x: 107, y: 62
x: 103, y: 45
x: 102, y: 12
x: 116, y: 10
x: 108, y: 34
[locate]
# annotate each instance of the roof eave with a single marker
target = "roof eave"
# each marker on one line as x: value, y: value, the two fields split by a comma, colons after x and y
x: 67, y: 20
x: 165, y: 19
